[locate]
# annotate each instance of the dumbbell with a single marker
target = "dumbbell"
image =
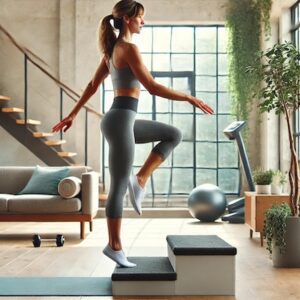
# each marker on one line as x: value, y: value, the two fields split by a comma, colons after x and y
x: 37, y: 240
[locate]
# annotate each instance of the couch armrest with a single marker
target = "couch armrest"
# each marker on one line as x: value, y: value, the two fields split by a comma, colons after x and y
x: 90, y: 192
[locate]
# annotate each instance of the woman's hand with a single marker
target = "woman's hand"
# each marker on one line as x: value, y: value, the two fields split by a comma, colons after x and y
x: 200, y: 104
x: 64, y: 124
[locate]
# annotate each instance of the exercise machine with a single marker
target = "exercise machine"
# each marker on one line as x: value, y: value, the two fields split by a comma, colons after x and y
x: 235, y: 208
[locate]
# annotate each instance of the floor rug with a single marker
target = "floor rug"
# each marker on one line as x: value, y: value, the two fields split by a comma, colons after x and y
x: 55, y: 286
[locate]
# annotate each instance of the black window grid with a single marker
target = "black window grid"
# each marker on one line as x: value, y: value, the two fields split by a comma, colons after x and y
x: 295, y: 29
x: 173, y: 74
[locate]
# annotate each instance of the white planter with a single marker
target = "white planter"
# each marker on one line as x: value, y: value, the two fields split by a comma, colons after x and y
x: 276, y: 189
x: 263, y: 189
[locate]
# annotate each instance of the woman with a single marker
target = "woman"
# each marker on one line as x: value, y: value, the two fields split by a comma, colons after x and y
x: 123, y: 61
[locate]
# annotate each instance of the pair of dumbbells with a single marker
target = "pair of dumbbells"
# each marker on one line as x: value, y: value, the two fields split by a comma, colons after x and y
x: 37, y: 240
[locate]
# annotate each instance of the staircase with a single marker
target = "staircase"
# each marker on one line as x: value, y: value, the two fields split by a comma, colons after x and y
x: 15, y: 121
x: 196, y: 265
x: 49, y: 151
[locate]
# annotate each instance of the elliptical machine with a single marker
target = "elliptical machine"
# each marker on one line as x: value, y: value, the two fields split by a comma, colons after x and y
x: 235, y: 208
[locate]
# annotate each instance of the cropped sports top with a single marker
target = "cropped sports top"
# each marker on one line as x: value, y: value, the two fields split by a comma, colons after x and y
x: 122, y: 78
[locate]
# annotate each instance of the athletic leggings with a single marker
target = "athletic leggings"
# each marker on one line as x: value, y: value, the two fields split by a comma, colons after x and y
x: 122, y: 132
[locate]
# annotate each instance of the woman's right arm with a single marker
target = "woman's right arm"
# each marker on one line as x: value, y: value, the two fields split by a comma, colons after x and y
x: 89, y: 91
x: 134, y: 60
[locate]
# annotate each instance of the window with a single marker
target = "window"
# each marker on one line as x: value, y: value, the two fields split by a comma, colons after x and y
x: 295, y: 39
x: 192, y: 59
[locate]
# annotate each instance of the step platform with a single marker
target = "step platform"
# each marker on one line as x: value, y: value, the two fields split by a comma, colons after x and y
x: 196, y: 265
x: 151, y: 276
x: 205, y: 264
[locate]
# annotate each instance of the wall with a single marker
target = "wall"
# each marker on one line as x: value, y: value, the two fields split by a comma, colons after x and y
x: 63, y: 34
x: 274, y: 147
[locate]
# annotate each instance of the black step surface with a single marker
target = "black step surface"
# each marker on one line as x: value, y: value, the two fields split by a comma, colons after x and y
x: 199, y: 245
x: 147, y: 269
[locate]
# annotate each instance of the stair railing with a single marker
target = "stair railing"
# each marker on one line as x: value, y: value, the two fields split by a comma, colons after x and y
x: 64, y: 89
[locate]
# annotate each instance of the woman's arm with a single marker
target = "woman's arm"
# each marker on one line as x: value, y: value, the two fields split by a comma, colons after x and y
x: 134, y: 60
x: 101, y: 73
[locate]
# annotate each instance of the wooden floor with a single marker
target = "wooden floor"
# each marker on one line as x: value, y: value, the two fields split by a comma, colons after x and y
x: 255, y: 276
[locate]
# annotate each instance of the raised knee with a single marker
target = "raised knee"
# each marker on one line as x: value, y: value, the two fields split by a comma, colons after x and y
x: 176, y: 135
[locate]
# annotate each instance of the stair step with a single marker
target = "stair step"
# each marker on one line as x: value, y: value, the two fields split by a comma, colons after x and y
x: 42, y: 134
x: 103, y: 197
x: 55, y: 143
x: 67, y: 154
x: 199, y: 245
x: 29, y: 121
x: 4, y: 98
x: 151, y: 276
x: 147, y: 269
x: 12, y: 109
x: 205, y: 264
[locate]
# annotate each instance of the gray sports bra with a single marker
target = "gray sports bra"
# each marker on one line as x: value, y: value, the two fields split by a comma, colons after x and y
x: 122, y: 78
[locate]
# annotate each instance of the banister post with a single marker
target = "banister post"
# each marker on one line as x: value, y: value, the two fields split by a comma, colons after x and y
x: 25, y: 87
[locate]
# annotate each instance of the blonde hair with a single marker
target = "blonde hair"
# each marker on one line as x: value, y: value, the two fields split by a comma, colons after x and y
x: 106, y: 33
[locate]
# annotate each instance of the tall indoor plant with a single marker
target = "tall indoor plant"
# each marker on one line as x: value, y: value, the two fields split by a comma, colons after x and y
x: 279, y: 69
x: 245, y: 21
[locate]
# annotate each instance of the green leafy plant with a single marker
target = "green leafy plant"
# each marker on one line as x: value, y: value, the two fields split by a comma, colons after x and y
x: 275, y: 226
x: 262, y: 177
x: 279, y: 178
x: 244, y: 19
x: 279, y: 69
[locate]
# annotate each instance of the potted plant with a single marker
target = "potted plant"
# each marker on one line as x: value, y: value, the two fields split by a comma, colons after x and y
x: 262, y: 180
x: 279, y: 69
x: 281, y: 230
x: 278, y: 180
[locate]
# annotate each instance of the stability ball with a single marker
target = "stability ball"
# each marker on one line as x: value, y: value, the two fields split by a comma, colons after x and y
x: 207, y: 202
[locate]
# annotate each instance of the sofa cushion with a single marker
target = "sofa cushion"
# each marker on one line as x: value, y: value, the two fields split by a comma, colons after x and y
x: 3, y: 201
x: 45, y: 181
x: 42, y: 204
x: 14, y: 179
x: 69, y: 187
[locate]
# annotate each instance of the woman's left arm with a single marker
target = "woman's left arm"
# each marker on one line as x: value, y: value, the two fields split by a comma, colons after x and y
x: 101, y: 73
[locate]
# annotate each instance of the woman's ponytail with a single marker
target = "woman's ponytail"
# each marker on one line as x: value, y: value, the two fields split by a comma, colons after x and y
x: 107, y: 37
x: 106, y: 33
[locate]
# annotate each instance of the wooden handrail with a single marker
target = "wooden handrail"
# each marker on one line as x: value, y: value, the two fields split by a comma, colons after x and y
x: 70, y: 92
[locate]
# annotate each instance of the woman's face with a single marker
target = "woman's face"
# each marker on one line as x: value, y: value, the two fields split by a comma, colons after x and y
x: 135, y: 24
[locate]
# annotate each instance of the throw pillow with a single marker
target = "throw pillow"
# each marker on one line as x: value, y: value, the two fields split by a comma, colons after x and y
x: 69, y: 187
x: 45, y: 180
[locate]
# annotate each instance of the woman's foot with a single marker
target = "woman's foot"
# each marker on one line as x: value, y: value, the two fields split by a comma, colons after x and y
x: 118, y: 256
x: 136, y: 193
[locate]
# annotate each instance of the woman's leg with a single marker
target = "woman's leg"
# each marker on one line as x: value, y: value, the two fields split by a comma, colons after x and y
x: 117, y: 127
x: 153, y: 161
x: 146, y: 131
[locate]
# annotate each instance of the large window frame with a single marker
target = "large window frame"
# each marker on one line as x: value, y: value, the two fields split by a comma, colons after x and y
x: 219, y: 139
x: 295, y: 36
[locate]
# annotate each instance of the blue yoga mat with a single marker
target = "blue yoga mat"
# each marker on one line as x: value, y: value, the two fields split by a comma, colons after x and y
x: 55, y: 286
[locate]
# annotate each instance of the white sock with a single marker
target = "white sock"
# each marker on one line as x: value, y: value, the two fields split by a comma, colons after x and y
x: 118, y: 257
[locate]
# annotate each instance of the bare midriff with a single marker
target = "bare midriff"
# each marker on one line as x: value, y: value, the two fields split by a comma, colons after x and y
x: 134, y: 92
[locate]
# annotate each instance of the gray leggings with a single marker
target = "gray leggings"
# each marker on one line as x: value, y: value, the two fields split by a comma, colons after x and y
x: 122, y: 132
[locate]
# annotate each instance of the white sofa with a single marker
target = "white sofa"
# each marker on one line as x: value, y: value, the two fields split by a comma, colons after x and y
x: 48, y: 208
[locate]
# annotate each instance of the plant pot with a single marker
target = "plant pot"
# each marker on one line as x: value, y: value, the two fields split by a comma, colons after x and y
x: 291, y: 257
x: 263, y: 189
x: 276, y: 189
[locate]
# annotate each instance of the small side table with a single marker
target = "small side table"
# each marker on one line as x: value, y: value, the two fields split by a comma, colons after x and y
x: 255, y: 208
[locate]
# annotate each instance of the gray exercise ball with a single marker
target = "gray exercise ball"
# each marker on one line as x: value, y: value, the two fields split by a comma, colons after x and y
x: 207, y: 202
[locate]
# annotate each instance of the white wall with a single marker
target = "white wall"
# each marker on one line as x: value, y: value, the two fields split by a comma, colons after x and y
x: 63, y: 34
